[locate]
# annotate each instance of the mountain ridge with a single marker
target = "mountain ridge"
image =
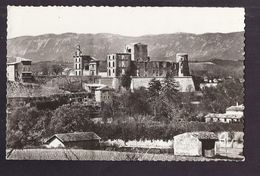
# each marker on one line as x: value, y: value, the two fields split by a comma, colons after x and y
x: 60, y: 47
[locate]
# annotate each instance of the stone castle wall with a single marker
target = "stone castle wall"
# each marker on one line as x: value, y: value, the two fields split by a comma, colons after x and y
x: 186, y: 83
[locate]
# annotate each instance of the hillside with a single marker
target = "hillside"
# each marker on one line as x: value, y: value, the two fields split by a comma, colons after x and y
x: 202, y: 47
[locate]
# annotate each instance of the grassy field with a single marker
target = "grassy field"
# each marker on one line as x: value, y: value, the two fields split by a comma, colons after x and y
x: 79, y: 154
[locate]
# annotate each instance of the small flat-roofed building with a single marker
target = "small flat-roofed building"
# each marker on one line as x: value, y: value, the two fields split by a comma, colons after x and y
x: 103, y: 94
x: 83, y: 140
x: 92, y: 87
x: 200, y: 143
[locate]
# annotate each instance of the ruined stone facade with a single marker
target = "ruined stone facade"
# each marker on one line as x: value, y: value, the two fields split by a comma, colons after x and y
x: 154, y: 68
x: 135, y: 62
x: 118, y: 64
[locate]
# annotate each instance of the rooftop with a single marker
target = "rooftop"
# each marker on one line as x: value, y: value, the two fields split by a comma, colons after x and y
x: 16, y: 60
x: 88, y: 57
x: 136, y: 43
x: 76, y: 136
x: 104, y: 88
x: 180, y: 54
x: 202, y: 135
x: 236, y: 108
x: 95, y: 85
x: 224, y: 116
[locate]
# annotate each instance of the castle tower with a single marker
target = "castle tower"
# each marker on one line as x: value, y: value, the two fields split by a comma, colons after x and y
x: 78, y: 61
x: 182, y: 64
x: 138, y: 52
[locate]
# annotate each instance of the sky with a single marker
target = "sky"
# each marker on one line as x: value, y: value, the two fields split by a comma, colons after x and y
x: 128, y: 21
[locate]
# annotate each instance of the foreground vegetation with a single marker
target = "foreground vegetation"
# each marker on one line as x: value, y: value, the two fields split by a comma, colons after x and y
x: 160, y: 112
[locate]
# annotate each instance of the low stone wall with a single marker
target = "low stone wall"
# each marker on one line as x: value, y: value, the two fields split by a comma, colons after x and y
x: 60, y: 81
x: 110, y: 82
x: 160, y: 144
x: 16, y: 89
x: 186, y: 83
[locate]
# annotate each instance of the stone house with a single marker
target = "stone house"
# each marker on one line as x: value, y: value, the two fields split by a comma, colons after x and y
x: 200, y: 143
x: 83, y: 140
x: 20, y: 70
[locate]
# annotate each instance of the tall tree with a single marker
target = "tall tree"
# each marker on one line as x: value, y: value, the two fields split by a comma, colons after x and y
x: 164, y: 98
x: 126, y: 80
x: 57, y: 69
x: 169, y: 98
x: 153, y: 94
x: 70, y: 118
x: 26, y: 126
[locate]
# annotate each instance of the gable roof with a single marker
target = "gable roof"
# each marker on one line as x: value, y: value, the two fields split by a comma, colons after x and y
x: 76, y: 136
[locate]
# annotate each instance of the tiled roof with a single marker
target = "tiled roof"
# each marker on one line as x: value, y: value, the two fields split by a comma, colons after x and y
x: 77, y: 136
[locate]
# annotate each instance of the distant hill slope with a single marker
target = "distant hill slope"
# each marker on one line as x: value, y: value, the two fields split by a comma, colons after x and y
x: 202, y: 47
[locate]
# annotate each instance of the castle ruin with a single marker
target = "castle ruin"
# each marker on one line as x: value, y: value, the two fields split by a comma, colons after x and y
x: 136, y: 63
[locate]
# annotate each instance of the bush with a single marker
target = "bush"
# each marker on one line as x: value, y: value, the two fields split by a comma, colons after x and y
x: 26, y: 126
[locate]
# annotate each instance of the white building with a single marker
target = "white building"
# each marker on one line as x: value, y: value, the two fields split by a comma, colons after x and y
x: 233, y: 114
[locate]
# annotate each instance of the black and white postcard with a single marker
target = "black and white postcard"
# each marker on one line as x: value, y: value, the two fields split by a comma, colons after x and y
x: 125, y: 83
